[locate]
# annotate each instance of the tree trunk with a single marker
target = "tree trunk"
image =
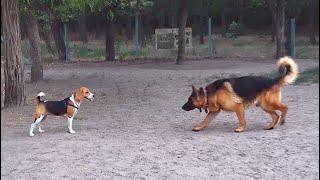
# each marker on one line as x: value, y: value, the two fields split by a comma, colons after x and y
x: 98, y: 28
x: 110, y: 51
x: 46, y: 38
x: 129, y: 28
x: 148, y: 27
x: 287, y: 32
x: 57, y: 32
x: 223, y: 20
x: 311, y: 25
x: 35, y: 50
x: 273, y: 31
x: 184, y: 5
x: 83, y: 26
x: 13, y: 70
x: 202, y: 27
x: 142, y: 31
x: 280, y: 28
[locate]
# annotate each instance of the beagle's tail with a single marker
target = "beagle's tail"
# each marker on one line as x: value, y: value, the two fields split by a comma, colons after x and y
x: 39, y: 95
x: 288, y: 70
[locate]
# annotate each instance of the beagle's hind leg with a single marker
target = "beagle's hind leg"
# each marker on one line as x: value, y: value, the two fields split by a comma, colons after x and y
x: 39, y: 127
x: 36, y: 122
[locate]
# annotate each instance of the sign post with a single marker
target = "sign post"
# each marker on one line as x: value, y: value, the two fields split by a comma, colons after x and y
x: 66, y: 43
x: 210, y: 54
x: 293, y: 38
x: 137, y: 34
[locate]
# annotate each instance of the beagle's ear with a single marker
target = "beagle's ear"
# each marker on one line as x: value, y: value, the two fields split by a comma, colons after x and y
x: 78, y: 94
x: 201, y: 92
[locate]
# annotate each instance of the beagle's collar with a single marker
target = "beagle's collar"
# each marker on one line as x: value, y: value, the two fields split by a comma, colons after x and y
x: 76, y: 105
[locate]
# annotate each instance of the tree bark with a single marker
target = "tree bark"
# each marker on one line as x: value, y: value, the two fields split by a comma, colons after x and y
x: 14, y: 69
x: 57, y: 32
x: 184, y: 5
x: 223, y: 20
x: 273, y: 31
x: 35, y: 50
x: 280, y: 28
x: 129, y: 28
x: 98, y: 27
x: 202, y: 27
x: 142, y: 31
x: 83, y: 26
x: 311, y: 25
x: 46, y: 38
x: 110, y: 51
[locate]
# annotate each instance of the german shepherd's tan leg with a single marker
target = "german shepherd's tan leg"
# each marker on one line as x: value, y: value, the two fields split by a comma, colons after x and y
x: 206, y: 120
x: 284, y: 109
x: 275, y: 119
x: 271, y: 102
x: 240, y: 114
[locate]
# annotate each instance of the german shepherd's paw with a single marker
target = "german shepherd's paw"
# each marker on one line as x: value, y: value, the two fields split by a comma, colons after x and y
x: 238, y: 130
x: 196, y: 129
x: 268, y: 128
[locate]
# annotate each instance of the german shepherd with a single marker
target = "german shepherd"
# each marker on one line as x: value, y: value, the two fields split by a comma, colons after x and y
x: 236, y: 94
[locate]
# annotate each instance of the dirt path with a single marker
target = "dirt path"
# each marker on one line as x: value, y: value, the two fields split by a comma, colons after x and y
x: 136, y: 129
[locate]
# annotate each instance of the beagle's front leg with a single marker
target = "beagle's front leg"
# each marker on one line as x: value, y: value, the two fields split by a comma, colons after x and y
x: 70, y: 125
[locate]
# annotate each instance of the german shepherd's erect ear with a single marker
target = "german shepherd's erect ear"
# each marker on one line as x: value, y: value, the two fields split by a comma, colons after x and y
x: 195, y: 100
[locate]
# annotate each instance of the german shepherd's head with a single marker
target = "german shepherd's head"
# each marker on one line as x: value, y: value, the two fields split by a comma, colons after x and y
x: 197, y: 99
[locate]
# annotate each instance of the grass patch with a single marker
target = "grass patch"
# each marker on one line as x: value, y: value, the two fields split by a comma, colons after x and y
x: 310, y: 75
x: 84, y: 52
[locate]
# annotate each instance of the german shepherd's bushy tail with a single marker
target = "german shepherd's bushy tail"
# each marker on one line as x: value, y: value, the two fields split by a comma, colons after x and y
x: 288, y: 71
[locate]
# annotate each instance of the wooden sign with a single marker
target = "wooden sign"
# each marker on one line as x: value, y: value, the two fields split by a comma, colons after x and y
x: 167, y: 38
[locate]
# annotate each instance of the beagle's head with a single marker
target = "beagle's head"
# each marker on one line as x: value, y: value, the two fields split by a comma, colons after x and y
x: 84, y: 93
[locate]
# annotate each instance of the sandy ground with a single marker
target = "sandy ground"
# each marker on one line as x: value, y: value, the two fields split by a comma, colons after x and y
x: 136, y: 129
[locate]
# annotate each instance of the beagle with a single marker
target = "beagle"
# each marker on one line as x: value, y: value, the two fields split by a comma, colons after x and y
x: 69, y: 107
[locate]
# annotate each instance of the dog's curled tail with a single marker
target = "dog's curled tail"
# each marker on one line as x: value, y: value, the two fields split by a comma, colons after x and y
x: 39, y: 95
x: 288, y: 70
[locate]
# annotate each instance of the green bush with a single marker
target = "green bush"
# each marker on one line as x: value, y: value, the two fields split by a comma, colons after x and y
x: 235, y: 29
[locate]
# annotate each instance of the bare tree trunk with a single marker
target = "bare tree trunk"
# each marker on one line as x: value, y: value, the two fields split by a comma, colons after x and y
x: 13, y: 70
x: 142, y: 30
x: 110, y: 51
x: 35, y: 50
x: 273, y: 31
x: 202, y: 25
x: 57, y: 32
x: 46, y: 38
x: 83, y: 26
x: 129, y: 28
x: 311, y: 25
x: 280, y: 25
x: 184, y: 6
x: 223, y: 20
x: 98, y: 27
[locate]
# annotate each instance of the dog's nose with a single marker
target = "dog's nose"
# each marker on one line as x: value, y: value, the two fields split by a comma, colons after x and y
x: 93, y: 95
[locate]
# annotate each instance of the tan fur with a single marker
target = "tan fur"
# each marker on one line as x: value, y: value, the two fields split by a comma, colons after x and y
x: 80, y: 95
x: 225, y: 99
x: 294, y: 68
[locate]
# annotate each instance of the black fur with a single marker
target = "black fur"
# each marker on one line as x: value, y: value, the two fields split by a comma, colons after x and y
x: 247, y: 87
x: 57, y: 107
